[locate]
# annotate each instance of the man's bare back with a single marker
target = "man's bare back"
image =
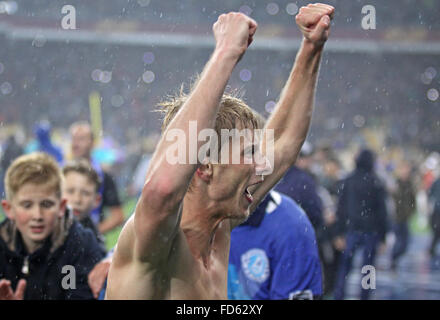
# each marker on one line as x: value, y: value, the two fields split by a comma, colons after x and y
x: 176, y: 245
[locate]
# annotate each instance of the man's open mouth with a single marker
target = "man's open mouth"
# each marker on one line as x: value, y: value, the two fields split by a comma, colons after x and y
x: 248, y: 195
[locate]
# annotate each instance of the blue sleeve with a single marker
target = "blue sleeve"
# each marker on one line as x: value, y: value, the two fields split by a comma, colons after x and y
x: 295, y: 265
x: 45, y: 143
x: 306, y: 196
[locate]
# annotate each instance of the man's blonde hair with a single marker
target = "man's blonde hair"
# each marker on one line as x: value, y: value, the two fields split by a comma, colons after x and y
x: 38, y: 168
x: 233, y: 112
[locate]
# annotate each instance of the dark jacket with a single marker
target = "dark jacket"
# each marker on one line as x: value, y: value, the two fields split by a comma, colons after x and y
x: 301, y: 187
x: 405, y: 200
x: 69, y: 245
x: 12, y: 150
x: 87, y: 223
x: 434, y: 197
x: 361, y: 206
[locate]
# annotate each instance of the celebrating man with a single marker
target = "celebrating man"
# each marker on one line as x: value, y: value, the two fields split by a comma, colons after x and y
x: 176, y: 245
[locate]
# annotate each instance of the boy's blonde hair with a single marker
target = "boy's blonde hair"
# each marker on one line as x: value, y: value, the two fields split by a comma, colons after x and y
x: 38, y: 168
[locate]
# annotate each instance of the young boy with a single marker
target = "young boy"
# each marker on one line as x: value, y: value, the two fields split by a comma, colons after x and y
x: 81, y: 190
x: 44, y: 252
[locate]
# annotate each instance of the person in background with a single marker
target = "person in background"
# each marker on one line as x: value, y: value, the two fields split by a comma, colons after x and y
x: 405, y: 203
x: 434, y: 199
x: 80, y: 189
x: 42, y: 132
x: 328, y: 190
x: 299, y: 184
x: 361, y: 219
x: 12, y: 150
x: 274, y: 254
x: 81, y: 147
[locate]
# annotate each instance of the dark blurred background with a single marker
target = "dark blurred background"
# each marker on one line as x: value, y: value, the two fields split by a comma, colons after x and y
x: 135, y: 52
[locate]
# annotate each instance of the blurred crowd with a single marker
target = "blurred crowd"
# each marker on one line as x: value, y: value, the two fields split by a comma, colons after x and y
x: 356, y: 197
x: 355, y: 91
x: 369, y: 169
x: 201, y: 14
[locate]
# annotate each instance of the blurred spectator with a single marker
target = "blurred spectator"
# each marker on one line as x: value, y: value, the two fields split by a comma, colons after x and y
x: 328, y: 253
x: 82, y: 145
x: 434, y: 198
x: 44, y: 143
x: 140, y: 172
x: 80, y: 189
x: 330, y: 179
x: 11, y: 151
x: 332, y: 175
x: 40, y: 237
x: 266, y: 265
x: 405, y: 203
x: 362, y: 219
x: 300, y: 185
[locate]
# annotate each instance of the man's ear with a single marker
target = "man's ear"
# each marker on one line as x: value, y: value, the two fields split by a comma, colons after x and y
x: 63, y: 206
x: 204, y: 172
x: 7, y: 208
x: 98, y: 199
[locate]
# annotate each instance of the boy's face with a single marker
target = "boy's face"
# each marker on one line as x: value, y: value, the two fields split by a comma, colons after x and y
x: 80, y: 194
x: 35, y: 209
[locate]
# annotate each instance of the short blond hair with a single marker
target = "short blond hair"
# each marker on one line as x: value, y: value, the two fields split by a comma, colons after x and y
x: 233, y: 112
x: 38, y: 168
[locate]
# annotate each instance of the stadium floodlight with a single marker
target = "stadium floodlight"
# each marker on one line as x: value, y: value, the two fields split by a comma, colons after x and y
x: 8, y: 7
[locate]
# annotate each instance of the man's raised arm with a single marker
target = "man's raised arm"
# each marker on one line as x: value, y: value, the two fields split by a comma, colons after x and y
x: 291, y: 117
x: 157, y: 214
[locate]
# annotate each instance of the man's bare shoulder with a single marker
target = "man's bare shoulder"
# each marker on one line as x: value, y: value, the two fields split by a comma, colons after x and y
x: 133, y: 278
x: 126, y: 251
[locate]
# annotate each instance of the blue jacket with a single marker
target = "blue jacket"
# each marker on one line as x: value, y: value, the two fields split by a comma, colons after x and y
x: 274, y: 254
x: 42, y: 131
x: 301, y: 187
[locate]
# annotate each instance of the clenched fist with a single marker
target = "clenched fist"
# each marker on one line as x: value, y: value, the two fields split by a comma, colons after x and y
x: 314, y: 22
x: 234, y: 33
